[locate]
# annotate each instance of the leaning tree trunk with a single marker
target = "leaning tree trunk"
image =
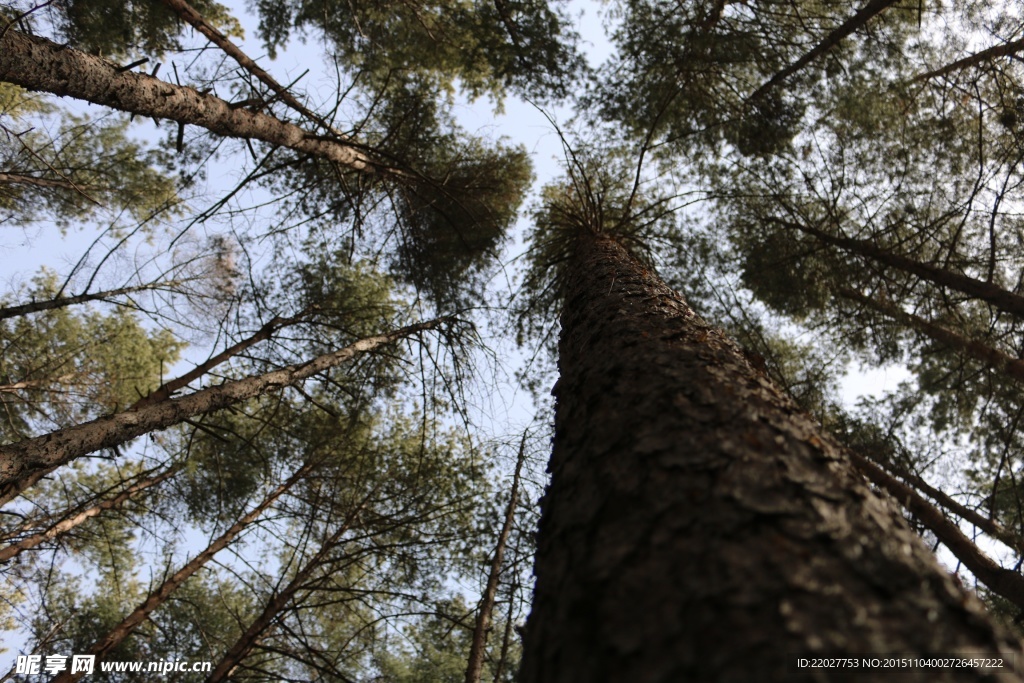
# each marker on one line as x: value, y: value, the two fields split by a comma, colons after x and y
x: 22, y: 463
x: 77, y: 517
x: 835, y: 36
x: 972, y: 348
x: 698, y: 527
x: 42, y: 65
x: 988, y: 292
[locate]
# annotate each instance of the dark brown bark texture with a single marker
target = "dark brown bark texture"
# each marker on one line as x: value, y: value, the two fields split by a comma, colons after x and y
x: 1007, y: 583
x: 699, y: 527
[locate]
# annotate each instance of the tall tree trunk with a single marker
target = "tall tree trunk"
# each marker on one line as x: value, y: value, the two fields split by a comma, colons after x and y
x: 698, y: 527
x: 39, y: 64
x: 24, y: 460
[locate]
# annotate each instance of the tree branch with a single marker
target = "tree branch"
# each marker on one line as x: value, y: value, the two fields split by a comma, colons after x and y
x: 39, y: 64
x: 26, y: 458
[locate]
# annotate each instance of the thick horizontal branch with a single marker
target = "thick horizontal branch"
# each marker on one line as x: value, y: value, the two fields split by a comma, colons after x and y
x: 39, y: 64
x: 167, y: 389
x: 986, y: 291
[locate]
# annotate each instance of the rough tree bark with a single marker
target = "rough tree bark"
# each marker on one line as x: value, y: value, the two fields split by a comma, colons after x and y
x: 698, y: 527
x: 191, y: 15
x: 947, y: 502
x: 1008, y: 583
x: 39, y: 64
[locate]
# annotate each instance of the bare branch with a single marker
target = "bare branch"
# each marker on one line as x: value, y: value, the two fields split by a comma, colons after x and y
x: 61, y: 302
x: 1004, y: 50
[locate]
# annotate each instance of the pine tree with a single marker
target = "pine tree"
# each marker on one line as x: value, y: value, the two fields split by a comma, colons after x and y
x: 698, y: 526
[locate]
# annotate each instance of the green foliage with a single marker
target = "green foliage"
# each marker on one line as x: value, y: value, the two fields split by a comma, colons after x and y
x: 436, y: 649
x: 68, y: 365
x: 766, y: 127
x: 484, y: 47
x: 118, y: 29
x: 396, y: 507
x: 457, y: 198
x: 456, y: 217
x: 349, y: 300
x: 599, y: 193
x: 685, y: 72
x: 85, y: 165
x: 789, y: 274
x: 438, y: 217
x: 390, y: 508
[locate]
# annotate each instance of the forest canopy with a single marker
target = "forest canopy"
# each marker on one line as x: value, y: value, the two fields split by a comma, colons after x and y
x: 281, y: 325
